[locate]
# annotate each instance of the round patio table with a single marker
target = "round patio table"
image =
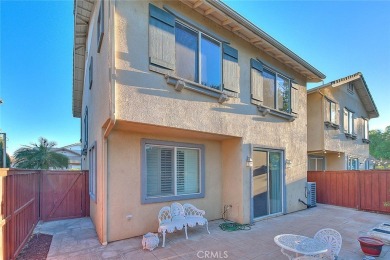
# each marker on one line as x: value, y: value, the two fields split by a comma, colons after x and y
x: 300, y: 245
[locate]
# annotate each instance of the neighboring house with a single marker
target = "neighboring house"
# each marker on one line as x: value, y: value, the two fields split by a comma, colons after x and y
x: 73, y: 152
x: 338, y: 124
x: 186, y: 101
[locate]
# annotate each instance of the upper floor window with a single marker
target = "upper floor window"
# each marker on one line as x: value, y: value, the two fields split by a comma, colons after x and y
x: 273, y: 92
x: 172, y: 171
x: 332, y: 110
x: 190, y: 56
x: 90, y: 72
x: 331, y: 114
x: 365, y: 128
x: 100, y: 26
x: 365, y: 131
x: 349, y: 123
x: 276, y: 91
x: 198, y: 57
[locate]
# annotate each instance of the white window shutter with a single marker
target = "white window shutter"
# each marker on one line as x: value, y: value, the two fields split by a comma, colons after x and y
x: 231, y: 70
x: 256, y: 80
x: 161, y: 38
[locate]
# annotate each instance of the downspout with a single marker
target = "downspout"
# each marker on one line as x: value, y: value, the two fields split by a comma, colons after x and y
x: 251, y: 221
x: 322, y: 118
x: 109, y: 124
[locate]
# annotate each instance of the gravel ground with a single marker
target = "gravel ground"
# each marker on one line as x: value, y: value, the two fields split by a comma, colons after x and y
x: 36, y: 248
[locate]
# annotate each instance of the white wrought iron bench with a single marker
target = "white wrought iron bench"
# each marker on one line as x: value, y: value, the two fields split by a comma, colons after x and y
x: 194, y: 216
x: 178, y: 217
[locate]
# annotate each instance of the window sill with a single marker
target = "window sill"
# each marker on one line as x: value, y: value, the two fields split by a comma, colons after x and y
x: 267, y: 110
x: 352, y: 136
x: 149, y: 200
x: 333, y: 125
x: 366, y: 141
x: 179, y: 84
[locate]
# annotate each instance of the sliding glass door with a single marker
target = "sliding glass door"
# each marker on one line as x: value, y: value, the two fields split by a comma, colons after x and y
x: 267, y: 182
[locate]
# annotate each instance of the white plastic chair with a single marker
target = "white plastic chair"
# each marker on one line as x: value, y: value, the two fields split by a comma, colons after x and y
x: 332, y: 239
x: 195, y: 216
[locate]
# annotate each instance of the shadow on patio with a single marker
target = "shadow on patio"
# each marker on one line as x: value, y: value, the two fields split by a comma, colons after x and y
x: 76, y: 238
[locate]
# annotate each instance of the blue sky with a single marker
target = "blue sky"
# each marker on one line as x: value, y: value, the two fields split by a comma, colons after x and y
x: 338, y: 38
x: 36, y: 72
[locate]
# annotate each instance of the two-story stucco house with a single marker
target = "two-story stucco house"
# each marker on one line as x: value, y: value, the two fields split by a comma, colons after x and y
x: 338, y: 124
x: 186, y: 101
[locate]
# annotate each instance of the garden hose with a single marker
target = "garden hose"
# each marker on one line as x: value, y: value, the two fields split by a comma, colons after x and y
x: 232, y: 226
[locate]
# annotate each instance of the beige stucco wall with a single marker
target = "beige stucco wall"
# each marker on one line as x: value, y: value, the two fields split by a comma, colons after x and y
x: 334, y: 162
x: 143, y: 96
x: 232, y: 181
x: 124, y: 183
x: 315, y: 122
x: 335, y: 140
x: 98, y: 101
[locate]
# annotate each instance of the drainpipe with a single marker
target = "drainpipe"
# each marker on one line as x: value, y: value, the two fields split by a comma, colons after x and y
x: 108, y: 126
x: 322, y: 118
x: 251, y: 186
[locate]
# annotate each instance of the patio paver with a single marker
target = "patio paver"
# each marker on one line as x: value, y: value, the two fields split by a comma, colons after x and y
x: 76, y: 238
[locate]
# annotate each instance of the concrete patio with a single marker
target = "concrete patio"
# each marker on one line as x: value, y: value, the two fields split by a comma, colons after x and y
x: 76, y: 238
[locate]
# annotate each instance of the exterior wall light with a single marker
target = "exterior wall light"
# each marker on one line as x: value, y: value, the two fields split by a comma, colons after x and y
x: 249, y: 162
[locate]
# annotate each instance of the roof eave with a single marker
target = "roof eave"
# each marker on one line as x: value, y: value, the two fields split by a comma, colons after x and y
x: 257, y: 31
x: 82, y: 13
x: 357, y: 76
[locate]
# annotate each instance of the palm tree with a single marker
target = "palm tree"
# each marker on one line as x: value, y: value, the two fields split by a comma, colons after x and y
x: 40, y: 156
x: 8, y: 159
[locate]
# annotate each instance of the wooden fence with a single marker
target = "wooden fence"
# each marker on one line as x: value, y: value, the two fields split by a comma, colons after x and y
x: 22, y: 201
x: 363, y: 190
x: 64, y: 194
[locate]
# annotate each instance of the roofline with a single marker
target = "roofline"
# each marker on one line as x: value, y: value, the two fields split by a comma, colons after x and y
x: 78, y: 143
x: 67, y: 150
x: 256, y: 30
x: 313, y: 90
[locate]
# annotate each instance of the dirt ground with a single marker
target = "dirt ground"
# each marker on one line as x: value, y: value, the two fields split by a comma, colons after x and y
x: 36, y: 248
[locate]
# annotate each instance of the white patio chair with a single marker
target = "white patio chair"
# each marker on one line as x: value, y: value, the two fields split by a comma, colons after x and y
x: 332, y: 239
x: 194, y: 216
x: 178, y: 217
x: 167, y: 225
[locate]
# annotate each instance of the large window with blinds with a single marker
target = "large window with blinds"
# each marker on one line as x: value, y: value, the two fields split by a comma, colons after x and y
x: 172, y: 171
